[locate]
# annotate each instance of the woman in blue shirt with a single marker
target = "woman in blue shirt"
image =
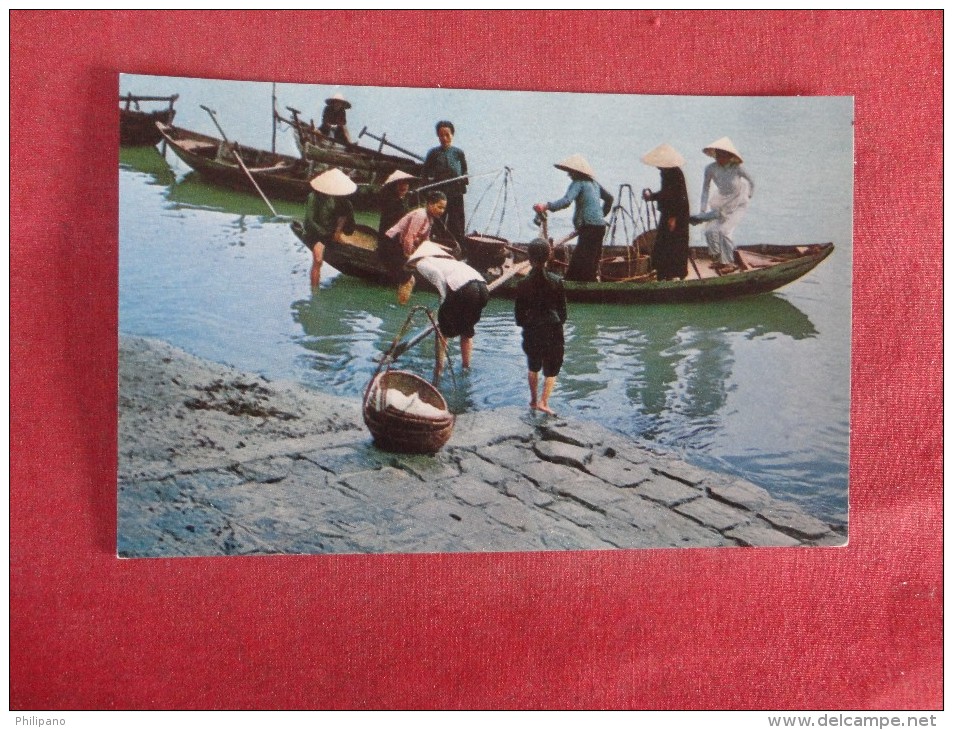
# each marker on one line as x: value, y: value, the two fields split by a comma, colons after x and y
x: 593, y: 203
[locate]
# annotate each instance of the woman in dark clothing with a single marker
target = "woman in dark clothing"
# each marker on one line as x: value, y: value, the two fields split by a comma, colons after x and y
x: 334, y: 119
x: 670, y: 252
x: 395, y: 201
x: 328, y: 215
x: 541, y: 311
x: 447, y: 162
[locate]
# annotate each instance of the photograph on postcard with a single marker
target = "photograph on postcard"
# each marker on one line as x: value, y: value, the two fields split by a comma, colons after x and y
x: 403, y: 320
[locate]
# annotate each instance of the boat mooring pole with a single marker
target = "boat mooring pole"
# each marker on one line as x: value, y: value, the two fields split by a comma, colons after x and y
x: 241, y: 162
x: 274, y: 112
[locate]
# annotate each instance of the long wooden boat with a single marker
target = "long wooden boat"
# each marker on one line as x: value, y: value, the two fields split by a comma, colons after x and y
x: 137, y: 128
x: 280, y: 176
x: 762, y: 268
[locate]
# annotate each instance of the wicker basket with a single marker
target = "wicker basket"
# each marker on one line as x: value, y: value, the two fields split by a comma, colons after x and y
x: 484, y: 251
x: 401, y: 432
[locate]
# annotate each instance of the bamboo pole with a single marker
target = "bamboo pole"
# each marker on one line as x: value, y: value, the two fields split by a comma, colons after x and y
x: 241, y: 162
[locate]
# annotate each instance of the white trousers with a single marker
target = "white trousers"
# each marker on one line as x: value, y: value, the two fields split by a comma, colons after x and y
x: 718, y: 233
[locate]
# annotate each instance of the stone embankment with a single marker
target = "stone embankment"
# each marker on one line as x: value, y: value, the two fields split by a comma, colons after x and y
x: 213, y: 461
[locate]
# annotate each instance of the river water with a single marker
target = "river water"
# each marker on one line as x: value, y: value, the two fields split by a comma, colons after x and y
x: 757, y: 387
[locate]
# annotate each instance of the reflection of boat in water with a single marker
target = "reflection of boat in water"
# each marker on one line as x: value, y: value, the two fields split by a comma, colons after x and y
x: 763, y: 316
x: 137, y: 128
x: 193, y: 191
x: 674, y: 365
x: 147, y: 160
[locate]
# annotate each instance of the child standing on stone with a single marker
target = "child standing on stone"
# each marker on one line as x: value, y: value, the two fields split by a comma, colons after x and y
x: 541, y: 311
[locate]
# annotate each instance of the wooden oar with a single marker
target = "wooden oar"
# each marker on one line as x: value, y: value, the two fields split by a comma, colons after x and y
x: 241, y: 162
x: 691, y: 257
x: 383, y: 141
x: 497, y: 282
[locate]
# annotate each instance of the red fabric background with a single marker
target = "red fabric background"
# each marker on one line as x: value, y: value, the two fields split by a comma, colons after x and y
x: 852, y: 628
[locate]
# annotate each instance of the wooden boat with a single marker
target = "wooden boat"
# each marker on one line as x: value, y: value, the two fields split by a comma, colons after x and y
x: 357, y: 257
x: 762, y: 268
x: 376, y: 165
x: 137, y: 128
x: 279, y: 176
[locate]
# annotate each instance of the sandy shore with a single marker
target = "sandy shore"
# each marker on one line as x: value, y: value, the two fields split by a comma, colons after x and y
x: 213, y: 461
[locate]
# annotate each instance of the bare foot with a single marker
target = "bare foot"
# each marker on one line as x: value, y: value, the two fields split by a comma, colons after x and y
x: 545, y: 409
x: 532, y: 405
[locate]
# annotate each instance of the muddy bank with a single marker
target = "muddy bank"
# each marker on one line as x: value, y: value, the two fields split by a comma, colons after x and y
x: 213, y: 461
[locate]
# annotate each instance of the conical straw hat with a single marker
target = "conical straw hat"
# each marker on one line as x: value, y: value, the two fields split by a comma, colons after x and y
x: 340, y: 98
x: 428, y: 248
x: 724, y: 144
x: 663, y: 156
x: 399, y: 175
x: 576, y: 163
x: 333, y: 182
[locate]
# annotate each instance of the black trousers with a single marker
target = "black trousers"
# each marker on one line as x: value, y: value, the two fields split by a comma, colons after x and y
x: 584, y: 264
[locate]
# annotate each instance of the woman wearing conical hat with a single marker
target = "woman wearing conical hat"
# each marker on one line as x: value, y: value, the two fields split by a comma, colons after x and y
x: 463, y: 296
x: 334, y: 119
x: 328, y: 215
x: 593, y: 204
x: 727, y: 206
x: 395, y: 200
x: 670, y: 252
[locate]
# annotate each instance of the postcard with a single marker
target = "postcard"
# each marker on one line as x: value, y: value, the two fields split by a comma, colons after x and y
x: 404, y: 320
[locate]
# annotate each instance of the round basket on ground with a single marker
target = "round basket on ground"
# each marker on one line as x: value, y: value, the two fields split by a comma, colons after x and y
x: 401, y: 431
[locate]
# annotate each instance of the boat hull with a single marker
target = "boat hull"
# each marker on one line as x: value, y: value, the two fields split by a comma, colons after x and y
x: 138, y: 129
x: 788, y: 263
x: 729, y: 286
x: 279, y: 176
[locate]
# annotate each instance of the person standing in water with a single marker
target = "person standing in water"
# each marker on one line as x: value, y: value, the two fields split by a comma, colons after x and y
x: 733, y: 189
x: 540, y: 309
x: 447, y: 162
x: 463, y: 295
x: 328, y: 216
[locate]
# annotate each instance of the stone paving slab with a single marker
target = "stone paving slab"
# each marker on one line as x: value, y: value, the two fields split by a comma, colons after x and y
x: 666, y: 491
x: 794, y: 522
x: 618, y: 471
x: 760, y: 534
x: 708, y: 512
x: 741, y: 493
